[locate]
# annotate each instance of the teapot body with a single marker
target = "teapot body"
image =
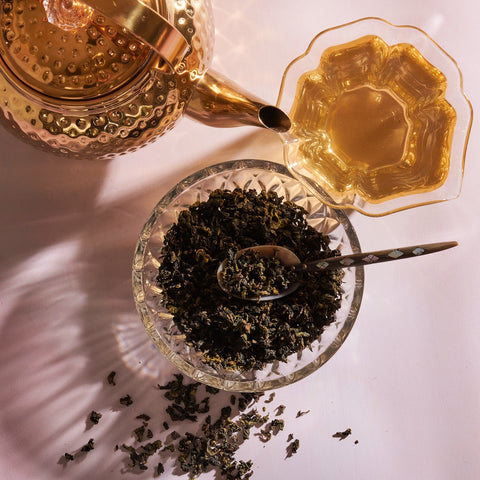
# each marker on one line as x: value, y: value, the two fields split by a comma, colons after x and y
x: 94, y: 89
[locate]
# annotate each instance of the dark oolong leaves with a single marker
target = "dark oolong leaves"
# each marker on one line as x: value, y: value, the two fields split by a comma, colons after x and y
x: 234, y: 333
x: 253, y: 275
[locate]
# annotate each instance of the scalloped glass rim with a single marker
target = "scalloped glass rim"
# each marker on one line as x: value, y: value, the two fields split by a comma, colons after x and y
x: 455, y: 95
x: 258, y: 174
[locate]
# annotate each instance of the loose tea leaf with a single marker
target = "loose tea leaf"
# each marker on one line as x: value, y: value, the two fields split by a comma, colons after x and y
x: 143, y: 416
x: 277, y: 425
x: 95, y: 417
x: 212, y: 390
x: 139, y: 432
x: 292, y: 448
x: 280, y: 410
x: 126, y: 400
x: 160, y: 469
x: 342, y: 435
x: 111, y: 378
x: 88, y: 446
x: 301, y: 414
x: 270, y: 398
x: 230, y: 332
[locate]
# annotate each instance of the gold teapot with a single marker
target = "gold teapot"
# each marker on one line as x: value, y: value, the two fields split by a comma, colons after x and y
x: 98, y: 78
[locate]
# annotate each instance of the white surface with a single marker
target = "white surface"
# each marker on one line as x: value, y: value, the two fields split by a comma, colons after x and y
x: 406, y: 381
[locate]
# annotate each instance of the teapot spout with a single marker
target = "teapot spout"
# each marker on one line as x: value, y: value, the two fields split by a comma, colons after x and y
x: 219, y: 102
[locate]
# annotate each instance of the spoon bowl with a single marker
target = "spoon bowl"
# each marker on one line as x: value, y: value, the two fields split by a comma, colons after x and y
x: 291, y: 263
x: 283, y: 255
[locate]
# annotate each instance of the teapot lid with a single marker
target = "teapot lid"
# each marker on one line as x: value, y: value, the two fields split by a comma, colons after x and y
x: 71, y: 51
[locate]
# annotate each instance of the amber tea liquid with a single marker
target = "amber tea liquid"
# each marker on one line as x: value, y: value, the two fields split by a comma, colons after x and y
x: 374, y: 121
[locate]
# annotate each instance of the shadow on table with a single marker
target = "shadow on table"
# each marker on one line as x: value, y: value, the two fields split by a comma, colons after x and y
x: 67, y: 317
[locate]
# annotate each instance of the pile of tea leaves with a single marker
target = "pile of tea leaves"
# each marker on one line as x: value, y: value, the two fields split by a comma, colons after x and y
x: 233, y: 333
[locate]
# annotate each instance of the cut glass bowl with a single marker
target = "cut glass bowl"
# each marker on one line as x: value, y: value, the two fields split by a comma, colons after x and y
x: 246, y: 174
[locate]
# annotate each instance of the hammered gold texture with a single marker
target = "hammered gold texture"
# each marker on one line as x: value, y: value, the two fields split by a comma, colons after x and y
x: 81, y: 63
x: 95, y: 92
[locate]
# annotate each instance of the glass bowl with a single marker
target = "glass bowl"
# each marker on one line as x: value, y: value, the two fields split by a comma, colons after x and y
x: 380, y: 119
x: 246, y: 174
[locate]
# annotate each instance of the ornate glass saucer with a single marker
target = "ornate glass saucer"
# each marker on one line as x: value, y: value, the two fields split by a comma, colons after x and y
x: 380, y: 119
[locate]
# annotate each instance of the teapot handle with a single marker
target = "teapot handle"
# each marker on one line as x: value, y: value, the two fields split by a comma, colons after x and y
x: 147, y: 25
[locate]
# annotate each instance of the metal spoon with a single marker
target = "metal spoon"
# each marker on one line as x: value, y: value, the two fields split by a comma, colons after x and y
x: 288, y: 258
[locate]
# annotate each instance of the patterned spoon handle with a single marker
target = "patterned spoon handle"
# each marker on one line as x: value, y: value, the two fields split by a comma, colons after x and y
x: 370, y: 258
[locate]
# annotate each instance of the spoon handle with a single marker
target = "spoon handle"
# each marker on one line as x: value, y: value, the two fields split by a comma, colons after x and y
x: 370, y: 258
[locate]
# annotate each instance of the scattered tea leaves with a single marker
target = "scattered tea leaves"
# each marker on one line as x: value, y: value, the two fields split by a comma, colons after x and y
x: 217, y: 445
x: 214, y: 443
